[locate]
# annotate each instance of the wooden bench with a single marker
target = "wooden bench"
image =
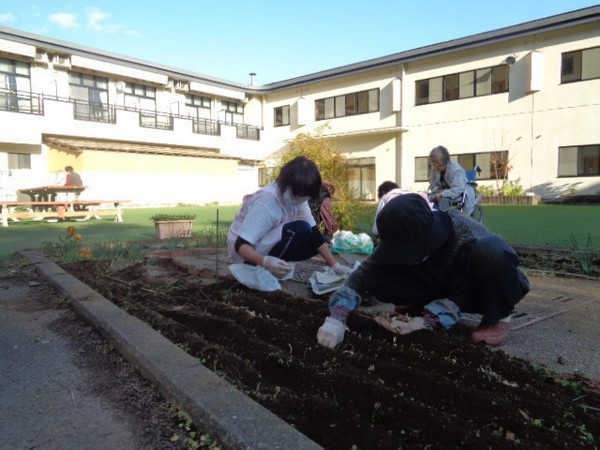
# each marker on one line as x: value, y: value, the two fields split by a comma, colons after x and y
x: 61, y: 210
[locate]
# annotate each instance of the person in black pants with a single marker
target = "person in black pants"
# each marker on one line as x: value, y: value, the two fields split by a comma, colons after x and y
x: 436, y: 265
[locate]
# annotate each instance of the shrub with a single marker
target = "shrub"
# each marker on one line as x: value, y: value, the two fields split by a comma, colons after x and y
x: 163, y: 217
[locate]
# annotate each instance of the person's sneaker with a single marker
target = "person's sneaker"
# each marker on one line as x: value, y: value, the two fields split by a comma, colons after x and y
x: 491, y: 335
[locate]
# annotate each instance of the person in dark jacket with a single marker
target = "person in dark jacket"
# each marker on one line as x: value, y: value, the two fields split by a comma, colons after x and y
x: 435, y: 264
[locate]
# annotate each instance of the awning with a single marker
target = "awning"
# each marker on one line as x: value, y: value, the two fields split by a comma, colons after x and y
x: 77, y: 145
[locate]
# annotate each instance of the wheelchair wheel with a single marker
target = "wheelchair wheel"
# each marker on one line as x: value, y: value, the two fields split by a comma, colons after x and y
x: 477, y: 213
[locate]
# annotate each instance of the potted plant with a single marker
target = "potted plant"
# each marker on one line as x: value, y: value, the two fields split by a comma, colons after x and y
x: 173, y: 225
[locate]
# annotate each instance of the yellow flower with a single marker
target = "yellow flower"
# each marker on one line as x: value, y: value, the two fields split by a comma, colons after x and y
x: 77, y: 237
x: 71, y: 230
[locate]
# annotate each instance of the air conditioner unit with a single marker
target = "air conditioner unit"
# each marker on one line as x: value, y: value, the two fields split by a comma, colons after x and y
x: 61, y: 62
x: 41, y: 58
x: 182, y: 86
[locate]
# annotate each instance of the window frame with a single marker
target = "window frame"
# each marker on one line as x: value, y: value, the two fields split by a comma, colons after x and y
x: 578, y: 161
x: 485, y: 160
x: 19, y: 161
x: 577, y: 62
x: 456, y: 86
x: 345, y: 105
x: 281, y: 116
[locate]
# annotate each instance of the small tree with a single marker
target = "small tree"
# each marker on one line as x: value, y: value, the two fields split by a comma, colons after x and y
x: 332, y: 165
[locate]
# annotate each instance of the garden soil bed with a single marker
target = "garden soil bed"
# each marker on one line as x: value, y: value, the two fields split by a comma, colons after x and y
x: 376, y: 390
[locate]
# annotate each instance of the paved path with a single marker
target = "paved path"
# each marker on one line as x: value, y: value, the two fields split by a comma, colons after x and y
x: 44, y: 401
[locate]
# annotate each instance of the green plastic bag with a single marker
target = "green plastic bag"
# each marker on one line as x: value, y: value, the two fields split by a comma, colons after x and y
x: 348, y: 242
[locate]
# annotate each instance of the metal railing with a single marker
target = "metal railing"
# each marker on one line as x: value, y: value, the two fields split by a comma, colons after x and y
x: 30, y: 103
x: 93, y: 112
x: 247, y: 132
x: 206, y: 126
x: 149, y: 119
x: 22, y: 102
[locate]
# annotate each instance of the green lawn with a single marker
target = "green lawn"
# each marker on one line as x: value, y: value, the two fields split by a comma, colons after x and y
x: 136, y: 226
x: 539, y: 226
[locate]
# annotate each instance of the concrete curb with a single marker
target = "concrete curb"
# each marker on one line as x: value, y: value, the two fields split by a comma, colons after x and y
x: 212, y: 403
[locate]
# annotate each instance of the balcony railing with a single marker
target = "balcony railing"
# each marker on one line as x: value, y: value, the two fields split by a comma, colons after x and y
x: 206, y: 126
x: 93, y: 112
x: 19, y: 101
x: 247, y: 132
x: 25, y: 102
x: 149, y: 119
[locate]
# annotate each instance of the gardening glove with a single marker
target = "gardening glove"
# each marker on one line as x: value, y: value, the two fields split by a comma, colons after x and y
x: 341, y: 270
x: 331, y: 332
x: 276, y: 266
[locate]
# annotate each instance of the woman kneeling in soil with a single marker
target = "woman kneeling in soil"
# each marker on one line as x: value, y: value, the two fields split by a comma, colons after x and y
x: 275, y: 223
x: 435, y: 263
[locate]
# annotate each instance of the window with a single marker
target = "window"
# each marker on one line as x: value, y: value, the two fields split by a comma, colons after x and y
x: 491, y: 80
x: 90, y: 97
x: 197, y: 101
x: 19, y: 161
x: 15, y: 86
x: 361, y: 178
x: 232, y: 112
x: 580, y: 65
x: 583, y: 160
x: 493, y: 165
x: 197, y: 106
x: 282, y: 116
x: 138, y: 96
x: 347, y: 105
x: 266, y: 175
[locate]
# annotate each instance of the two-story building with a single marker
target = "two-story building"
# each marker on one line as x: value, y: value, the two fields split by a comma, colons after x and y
x: 521, y: 102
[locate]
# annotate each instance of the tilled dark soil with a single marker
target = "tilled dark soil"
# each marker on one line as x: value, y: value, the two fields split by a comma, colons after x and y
x: 376, y: 390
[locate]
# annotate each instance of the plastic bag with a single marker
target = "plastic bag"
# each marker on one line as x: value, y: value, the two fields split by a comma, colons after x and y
x: 348, y: 242
x: 255, y: 277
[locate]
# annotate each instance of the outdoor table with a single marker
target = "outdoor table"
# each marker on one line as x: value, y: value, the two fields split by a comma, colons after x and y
x: 49, y: 193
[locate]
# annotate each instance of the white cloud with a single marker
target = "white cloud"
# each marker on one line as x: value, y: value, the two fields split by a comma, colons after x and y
x: 95, y: 17
x: 64, y: 20
x: 96, y: 21
x: 6, y: 17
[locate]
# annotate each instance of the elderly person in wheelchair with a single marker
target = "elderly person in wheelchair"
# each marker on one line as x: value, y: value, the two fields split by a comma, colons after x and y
x: 449, y: 185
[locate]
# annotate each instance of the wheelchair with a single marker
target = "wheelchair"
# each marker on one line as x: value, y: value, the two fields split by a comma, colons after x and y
x: 477, y: 213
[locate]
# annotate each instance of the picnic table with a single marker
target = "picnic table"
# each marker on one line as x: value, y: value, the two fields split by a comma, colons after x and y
x: 49, y: 193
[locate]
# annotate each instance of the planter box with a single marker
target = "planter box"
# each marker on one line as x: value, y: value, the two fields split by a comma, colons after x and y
x: 173, y: 229
x: 511, y: 200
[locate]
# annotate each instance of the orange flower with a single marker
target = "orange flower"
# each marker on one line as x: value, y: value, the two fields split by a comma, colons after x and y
x: 77, y: 237
x: 85, y: 252
x: 71, y: 230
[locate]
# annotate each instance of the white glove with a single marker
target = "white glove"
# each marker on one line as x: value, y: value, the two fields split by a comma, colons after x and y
x: 276, y: 266
x: 341, y: 270
x: 331, y: 332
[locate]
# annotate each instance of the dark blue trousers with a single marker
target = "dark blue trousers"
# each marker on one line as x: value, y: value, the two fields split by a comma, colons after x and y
x: 299, y: 241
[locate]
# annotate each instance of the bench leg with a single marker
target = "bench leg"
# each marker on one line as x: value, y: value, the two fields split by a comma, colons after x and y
x: 4, y: 216
x: 118, y: 215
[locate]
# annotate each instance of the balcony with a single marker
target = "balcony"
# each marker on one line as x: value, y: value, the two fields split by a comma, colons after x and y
x: 247, y: 132
x: 93, y: 112
x: 160, y: 121
x: 21, y: 102
x: 206, y: 126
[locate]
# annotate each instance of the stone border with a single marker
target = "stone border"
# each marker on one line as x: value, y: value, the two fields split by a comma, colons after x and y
x: 213, y: 404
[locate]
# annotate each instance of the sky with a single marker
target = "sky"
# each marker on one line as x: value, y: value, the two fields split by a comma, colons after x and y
x: 276, y: 39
